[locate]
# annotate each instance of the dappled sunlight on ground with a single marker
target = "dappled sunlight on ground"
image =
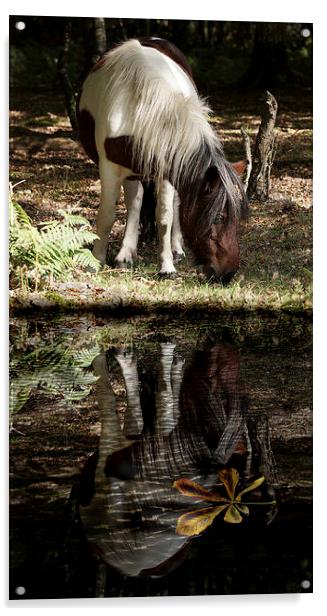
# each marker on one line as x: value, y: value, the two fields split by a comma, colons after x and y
x: 49, y: 171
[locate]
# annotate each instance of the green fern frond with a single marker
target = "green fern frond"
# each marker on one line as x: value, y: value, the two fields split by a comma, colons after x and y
x: 56, y: 248
x: 18, y: 216
x: 74, y: 220
x: 53, y: 369
x: 85, y: 357
x: 85, y: 259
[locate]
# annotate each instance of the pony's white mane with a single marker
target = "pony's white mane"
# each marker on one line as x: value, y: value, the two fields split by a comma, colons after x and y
x: 168, y: 128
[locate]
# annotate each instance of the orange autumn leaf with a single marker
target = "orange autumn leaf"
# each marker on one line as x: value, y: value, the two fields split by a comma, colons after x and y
x: 253, y: 486
x: 193, y: 489
x: 230, y: 478
x: 233, y: 515
x: 194, y: 522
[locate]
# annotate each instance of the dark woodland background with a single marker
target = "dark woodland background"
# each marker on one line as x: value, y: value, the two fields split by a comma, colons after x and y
x: 220, y: 52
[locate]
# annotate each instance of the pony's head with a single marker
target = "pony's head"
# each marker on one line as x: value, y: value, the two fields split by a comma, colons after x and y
x: 210, y: 223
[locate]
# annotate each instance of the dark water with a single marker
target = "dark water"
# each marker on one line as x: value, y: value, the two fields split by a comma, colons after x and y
x: 160, y: 458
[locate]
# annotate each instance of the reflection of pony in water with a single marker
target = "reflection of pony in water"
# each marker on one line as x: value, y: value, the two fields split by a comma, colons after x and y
x: 140, y: 118
x: 128, y: 507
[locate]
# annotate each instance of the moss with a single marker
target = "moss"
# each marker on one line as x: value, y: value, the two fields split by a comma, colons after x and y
x: 58, y: 299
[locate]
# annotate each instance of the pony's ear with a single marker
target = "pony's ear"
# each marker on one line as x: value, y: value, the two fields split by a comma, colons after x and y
x: 240, y: 167
x: 211, y: 179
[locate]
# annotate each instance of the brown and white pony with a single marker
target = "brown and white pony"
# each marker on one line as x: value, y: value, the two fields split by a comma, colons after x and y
x: 140, y: 118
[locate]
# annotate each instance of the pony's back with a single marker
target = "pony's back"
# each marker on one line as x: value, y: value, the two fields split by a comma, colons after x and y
x: 139, y: 91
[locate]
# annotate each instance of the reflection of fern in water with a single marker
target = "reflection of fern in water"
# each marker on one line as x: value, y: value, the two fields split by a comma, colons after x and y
x: 53, y: 251
x: 54, y: 369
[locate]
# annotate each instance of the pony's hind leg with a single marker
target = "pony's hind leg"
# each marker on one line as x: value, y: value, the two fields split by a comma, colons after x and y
x: 177, y: 243
x: 164, y: 218
x: 133, y: 191
x: 110, y: 176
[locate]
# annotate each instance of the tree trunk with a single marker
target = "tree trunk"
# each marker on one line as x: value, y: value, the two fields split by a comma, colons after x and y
x: 123, y: 31
x: 268, y: 65
x: 179, y: 32
x: 64, y: 77
x: 100, y: 38
x: 215, y: 32
x: 203, y: 32
x: 148, y: 27
x: 259, y: 182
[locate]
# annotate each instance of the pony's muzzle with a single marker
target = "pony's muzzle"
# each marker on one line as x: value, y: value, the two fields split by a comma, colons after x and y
x: 215, y: 276
x: 225, y: 280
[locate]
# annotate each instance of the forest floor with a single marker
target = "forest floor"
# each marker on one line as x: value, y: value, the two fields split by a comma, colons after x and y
x: 49, y: 172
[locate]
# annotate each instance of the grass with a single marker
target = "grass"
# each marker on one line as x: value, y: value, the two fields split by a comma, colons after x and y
x: 276, y: 244
x: 143, y: 293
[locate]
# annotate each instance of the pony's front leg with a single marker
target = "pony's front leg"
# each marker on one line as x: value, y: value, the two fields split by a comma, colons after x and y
x: 133, y: 191
x: 133, y: 420
x: 165, y: 423
x: 177, y: 243
x: 111, y: 179
x: 164, y: 218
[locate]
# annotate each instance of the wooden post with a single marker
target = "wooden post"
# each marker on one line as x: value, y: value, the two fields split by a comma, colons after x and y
x: 259, y: 181
x: 248, y: 156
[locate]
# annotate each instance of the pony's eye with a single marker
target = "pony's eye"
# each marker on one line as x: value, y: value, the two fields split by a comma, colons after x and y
x: 219, y: 220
